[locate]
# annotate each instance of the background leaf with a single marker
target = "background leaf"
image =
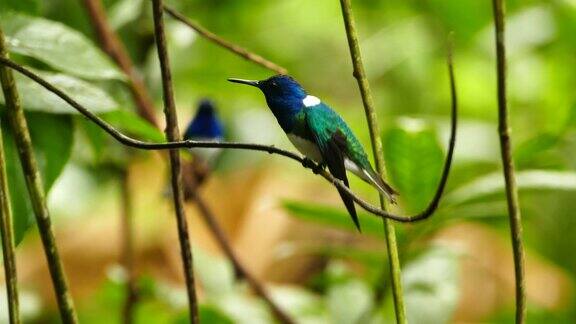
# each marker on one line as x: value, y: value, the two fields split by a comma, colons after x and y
x: 414, y: 159
x: 35, y: 97
x: 431, y: 286
x: 348, y: 301
x: 52, y: 138
x: 58, y: 46
x: 303, y: 305
x: 493, y: 184
x: 214, y: 273
x: 209, y: 314
x: 333, y: 217
x: 243, y: 309
x: 124, y: 12
x: 538, y: 152
x: 130, y: 123
x: 25, y: 6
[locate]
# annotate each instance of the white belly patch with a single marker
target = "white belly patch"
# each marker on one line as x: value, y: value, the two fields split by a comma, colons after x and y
x: 306, y: 147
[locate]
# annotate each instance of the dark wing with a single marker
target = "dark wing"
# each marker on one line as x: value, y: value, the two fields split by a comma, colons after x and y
x: 332, y: 144
x: 333, y: 155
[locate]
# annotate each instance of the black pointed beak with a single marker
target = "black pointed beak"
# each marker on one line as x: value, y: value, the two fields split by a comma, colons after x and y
x: 248, y: 82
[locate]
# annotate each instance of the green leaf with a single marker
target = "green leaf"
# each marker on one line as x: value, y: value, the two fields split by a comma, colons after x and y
x: 207, y: 314
x: 133, y: 124
x: 431, y: 286
x: 210, y: 314
x: 301, y: 304
x: 530, y: 150
x: 414, y: 160
x: 123, y: 12
x: 571, y: 121
x: 493, y: 184
x: 52, y: 138
x: 105, y: 150
x: 25, y: 6
x: 152, y: 311
x: 242, y: 308
x: 333, y: 217
x: 57, y: 45
x: 348, y: 301
x: 214, y: 273
x: 368, y: 257
x: 485, y: 210
x: 35, y: 97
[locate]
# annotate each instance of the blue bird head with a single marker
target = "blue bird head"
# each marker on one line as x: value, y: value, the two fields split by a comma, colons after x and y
x: 283, y: 94
x: 283, y: 86
x: 205, y: 125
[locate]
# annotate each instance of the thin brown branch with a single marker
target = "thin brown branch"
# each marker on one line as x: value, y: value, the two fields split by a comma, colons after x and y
x: 112, y: 45
x: 19, y: 128
x: 173, y: 134
x: 508, y: 163
x: 128, y: 141
x: 7, y: 235
x: 224, y: 43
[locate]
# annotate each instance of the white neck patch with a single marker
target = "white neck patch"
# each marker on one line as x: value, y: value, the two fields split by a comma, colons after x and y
x: 311, y: 101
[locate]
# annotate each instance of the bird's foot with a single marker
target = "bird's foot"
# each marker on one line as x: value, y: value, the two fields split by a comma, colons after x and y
x: 309, y: 164
x: 318, y: 168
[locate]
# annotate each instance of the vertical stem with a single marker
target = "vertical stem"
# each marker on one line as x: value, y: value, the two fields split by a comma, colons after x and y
x: 508, y: 163
x: 173, y: 134
x: 35, y: 189
x: 128, y: 250
x: 377, y: 151
x: 7, y: 233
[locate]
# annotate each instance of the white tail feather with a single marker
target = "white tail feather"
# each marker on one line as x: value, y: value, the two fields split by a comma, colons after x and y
x: 366, y: 176
x: 383, y: 190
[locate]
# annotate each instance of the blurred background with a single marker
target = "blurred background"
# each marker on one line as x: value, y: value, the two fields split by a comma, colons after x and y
x: 288, y: 226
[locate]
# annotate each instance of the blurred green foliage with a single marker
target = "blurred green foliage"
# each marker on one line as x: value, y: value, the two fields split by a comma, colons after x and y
x: 52, y: 136
x: 403, y: 45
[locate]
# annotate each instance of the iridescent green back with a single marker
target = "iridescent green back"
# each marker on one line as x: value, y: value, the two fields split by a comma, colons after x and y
x: 324, y: 122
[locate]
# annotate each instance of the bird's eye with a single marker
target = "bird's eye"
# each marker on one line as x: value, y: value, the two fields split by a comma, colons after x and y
x: 274, y: 83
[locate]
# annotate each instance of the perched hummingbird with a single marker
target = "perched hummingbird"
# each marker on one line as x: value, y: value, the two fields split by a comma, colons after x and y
x: 319, y: 133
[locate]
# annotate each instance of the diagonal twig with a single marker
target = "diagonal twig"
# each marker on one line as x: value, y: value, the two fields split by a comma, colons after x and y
x: 508, y: 163
x: 128, y: 141
x: 224, y: 43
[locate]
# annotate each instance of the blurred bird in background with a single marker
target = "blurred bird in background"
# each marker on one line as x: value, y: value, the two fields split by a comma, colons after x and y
x: 204, y: 126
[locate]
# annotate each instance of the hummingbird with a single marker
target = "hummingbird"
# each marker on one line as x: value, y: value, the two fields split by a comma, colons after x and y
x: 204, y: 126
x: 320, y: 134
